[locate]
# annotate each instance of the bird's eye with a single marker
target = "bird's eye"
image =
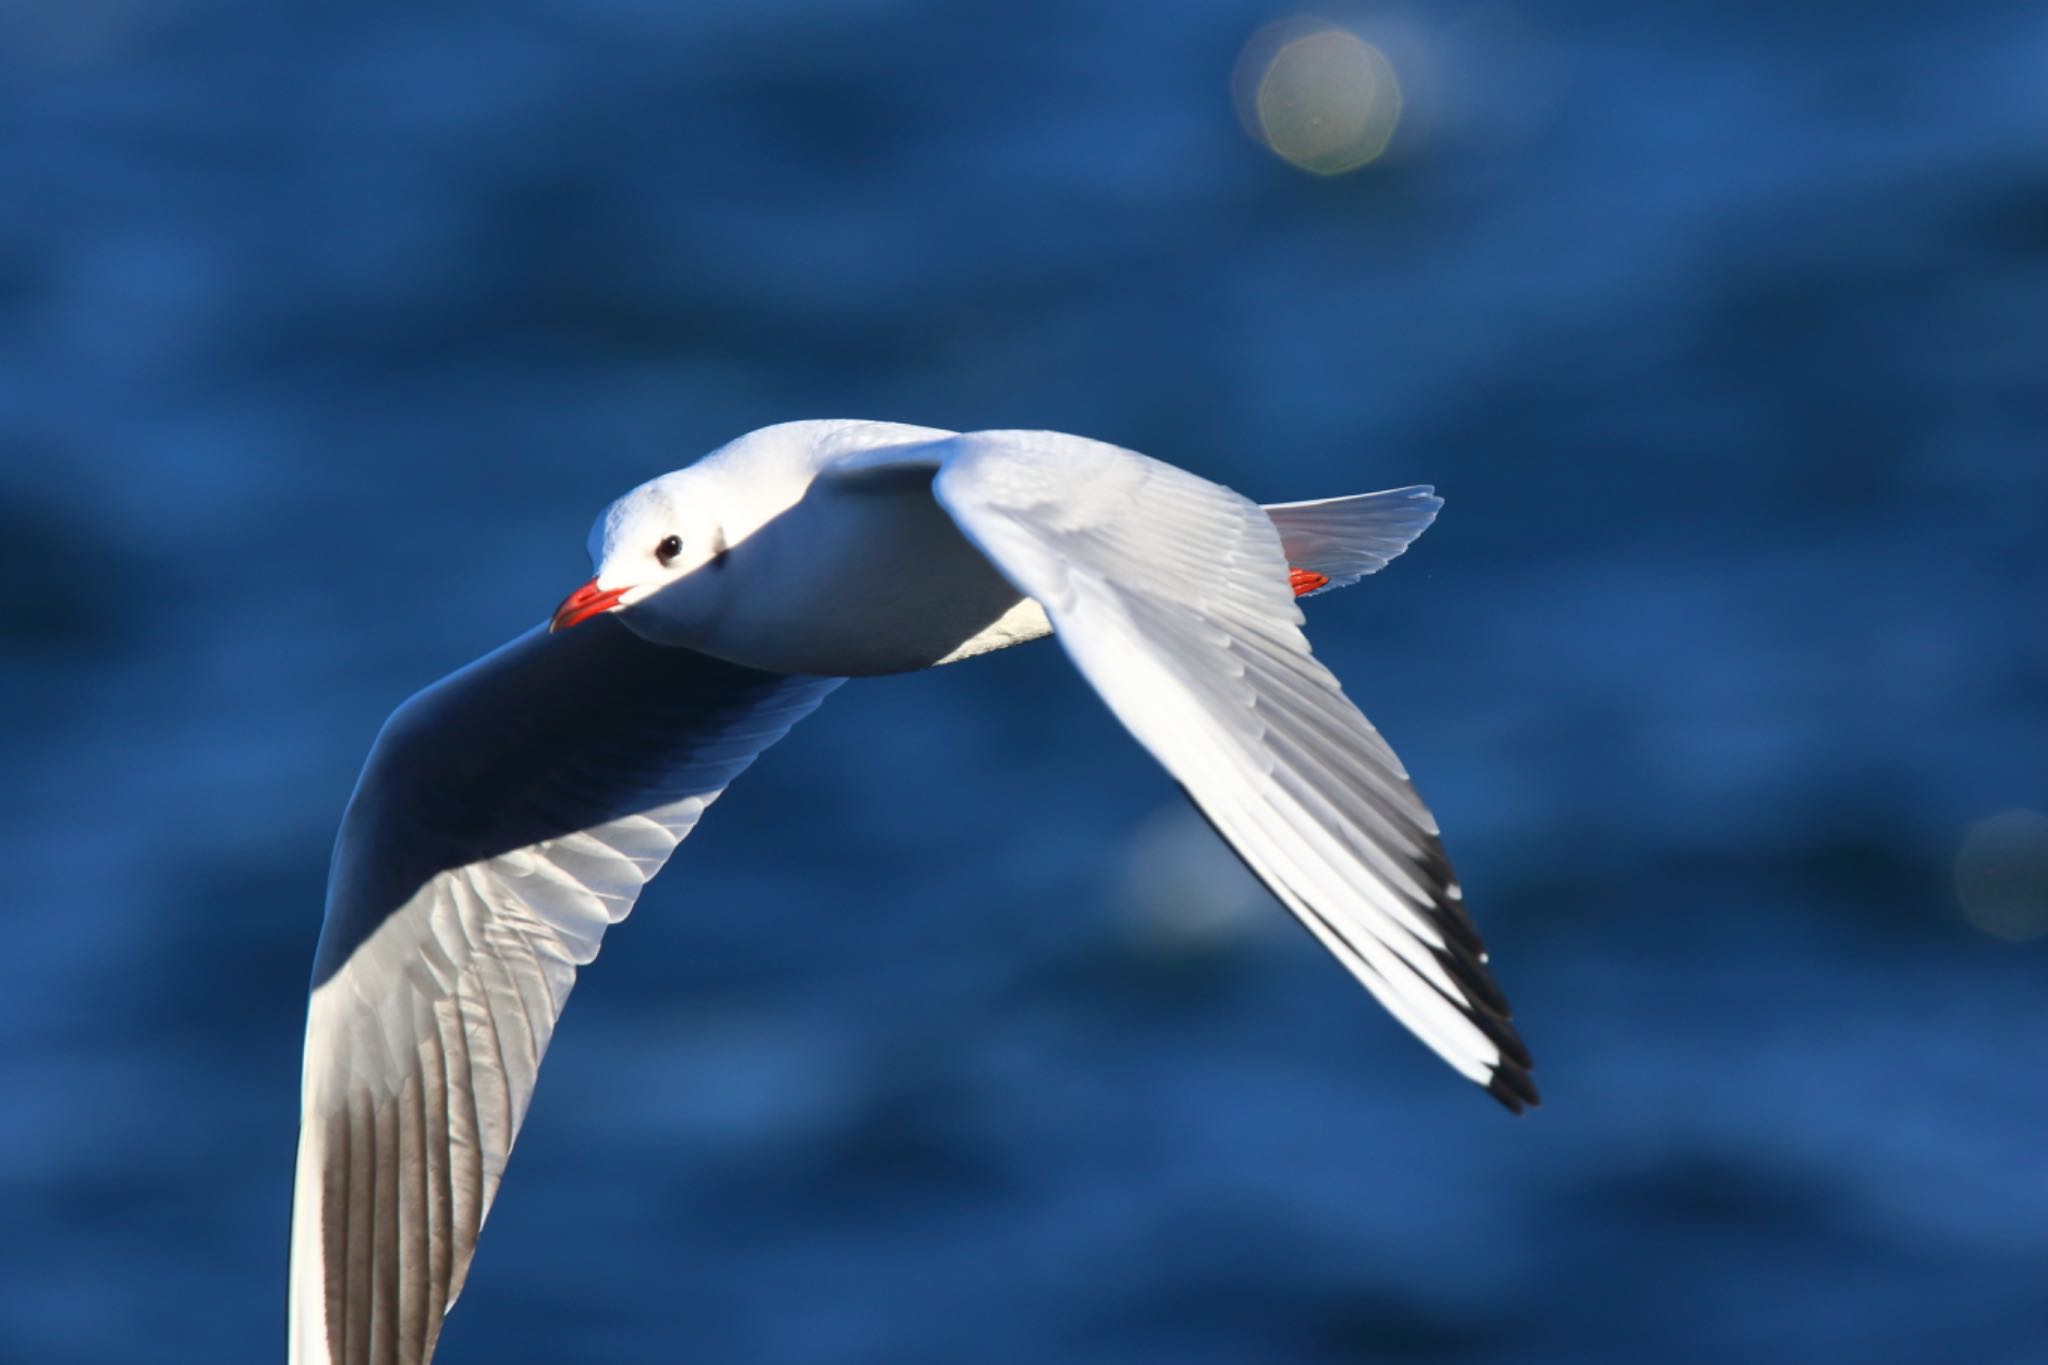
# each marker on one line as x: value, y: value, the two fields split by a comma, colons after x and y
x: 668, y: 550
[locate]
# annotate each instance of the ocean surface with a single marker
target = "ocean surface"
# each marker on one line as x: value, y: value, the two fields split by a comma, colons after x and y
x: 326, y: 331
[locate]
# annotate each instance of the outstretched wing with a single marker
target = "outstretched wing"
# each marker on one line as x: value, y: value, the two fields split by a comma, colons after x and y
x: 506, y: 816
x: 1171, y: 595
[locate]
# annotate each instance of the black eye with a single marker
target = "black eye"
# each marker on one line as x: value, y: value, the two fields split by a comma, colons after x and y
x: 668, y: 550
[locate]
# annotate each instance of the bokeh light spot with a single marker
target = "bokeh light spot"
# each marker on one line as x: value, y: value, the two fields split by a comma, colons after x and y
x: 1184, y: 891
x: 1321, y: 98
x: 2002, y: 875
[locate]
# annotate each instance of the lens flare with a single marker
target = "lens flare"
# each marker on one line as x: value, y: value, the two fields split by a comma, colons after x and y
x: 1184, y: 890
x: 1319, y: 97
x: 2002, y: 875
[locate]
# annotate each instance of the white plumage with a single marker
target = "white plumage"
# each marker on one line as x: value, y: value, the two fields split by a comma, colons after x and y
x: 511, y: 812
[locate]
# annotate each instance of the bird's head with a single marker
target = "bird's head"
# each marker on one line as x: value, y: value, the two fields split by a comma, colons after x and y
x: 647, y: 541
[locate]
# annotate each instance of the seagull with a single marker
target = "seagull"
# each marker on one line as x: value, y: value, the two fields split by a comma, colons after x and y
x: 514, y: 810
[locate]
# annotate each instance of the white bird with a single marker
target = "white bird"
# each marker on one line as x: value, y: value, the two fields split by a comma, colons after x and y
x: 512, y: 811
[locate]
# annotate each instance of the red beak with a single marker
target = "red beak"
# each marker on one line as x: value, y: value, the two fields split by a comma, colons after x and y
x: 584, y: 603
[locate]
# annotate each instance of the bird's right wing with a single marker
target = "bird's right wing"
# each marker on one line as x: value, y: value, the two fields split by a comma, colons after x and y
x: 1171, y: 595
x: 507, y: 815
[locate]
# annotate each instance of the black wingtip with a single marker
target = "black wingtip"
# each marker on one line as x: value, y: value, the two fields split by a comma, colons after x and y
x: 1508, y: 1039
x: 1478, y: 983
x: 1510, y: 1084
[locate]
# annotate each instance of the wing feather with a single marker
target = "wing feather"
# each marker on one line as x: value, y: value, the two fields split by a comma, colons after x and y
x: 507, y: 816
x: 1171, y: 595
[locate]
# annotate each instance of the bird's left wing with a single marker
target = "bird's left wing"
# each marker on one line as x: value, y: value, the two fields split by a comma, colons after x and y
x: 507, y: 815
x: 1171, y: 595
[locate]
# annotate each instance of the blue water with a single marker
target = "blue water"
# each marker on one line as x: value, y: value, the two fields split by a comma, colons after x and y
x: 323, y: 336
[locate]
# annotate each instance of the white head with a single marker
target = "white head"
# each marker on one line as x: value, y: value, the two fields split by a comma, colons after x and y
x: 648, y: 542
x: 663, y: 547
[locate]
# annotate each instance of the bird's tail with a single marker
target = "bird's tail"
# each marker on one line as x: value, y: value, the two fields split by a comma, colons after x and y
x: 1334, y: 542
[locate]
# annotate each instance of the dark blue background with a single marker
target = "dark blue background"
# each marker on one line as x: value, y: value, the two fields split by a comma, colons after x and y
x: 1722, y: 329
